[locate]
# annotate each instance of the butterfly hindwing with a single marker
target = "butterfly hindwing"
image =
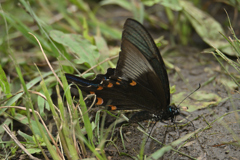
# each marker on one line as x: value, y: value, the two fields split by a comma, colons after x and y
x: 85, y: 82
x: 120, y: 93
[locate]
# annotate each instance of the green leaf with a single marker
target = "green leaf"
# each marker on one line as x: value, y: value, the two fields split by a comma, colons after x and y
x: 86, y: 31
x: 33, y: 150
x: 24, y: 29
x: 104, y: 52
x: 206, y: 27
x: 231, y: 85
x: 5, y: 87
x: 42, y: 104
x: 29, y: 139
x: 109, y: 31
x: 172, y: 89
x: 172, y: 4
x: 86, y: 52
x: 202, y: 99
x: 29, y: 85
x: 24, y: 120
x: 123, y: 3
x: 6, y: 122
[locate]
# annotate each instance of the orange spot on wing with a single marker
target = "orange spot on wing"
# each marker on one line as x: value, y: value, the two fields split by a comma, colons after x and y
x: 91, y: 92
x: 113, y: 108
x: 109, y: 85
x: 99, y: 88
x: 117, y: 83
x: 99, y: 101
x: 133, y: 83
x: 119, y: 79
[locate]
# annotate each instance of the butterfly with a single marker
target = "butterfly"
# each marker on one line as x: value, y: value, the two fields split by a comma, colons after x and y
x: 139, y: 81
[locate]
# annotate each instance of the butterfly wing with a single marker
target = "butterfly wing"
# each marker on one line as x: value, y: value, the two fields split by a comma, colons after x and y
x: 140, y: 79
x: 130, y: 65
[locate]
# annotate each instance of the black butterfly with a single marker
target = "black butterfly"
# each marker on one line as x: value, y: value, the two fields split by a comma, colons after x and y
x: 139, y: 82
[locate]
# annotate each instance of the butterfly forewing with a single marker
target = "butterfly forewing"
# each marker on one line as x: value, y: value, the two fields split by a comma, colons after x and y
x: 132, y: 65
x: 137, y: 35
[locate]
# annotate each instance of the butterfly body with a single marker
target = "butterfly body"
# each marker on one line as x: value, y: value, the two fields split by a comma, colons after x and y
x: 139, y: 82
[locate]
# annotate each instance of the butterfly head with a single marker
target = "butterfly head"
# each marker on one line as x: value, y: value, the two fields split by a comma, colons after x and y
x: 171, y: 112
x: 174, y: 110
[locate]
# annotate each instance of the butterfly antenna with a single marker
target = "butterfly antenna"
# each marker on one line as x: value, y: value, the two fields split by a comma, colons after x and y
x: 190, y: 94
